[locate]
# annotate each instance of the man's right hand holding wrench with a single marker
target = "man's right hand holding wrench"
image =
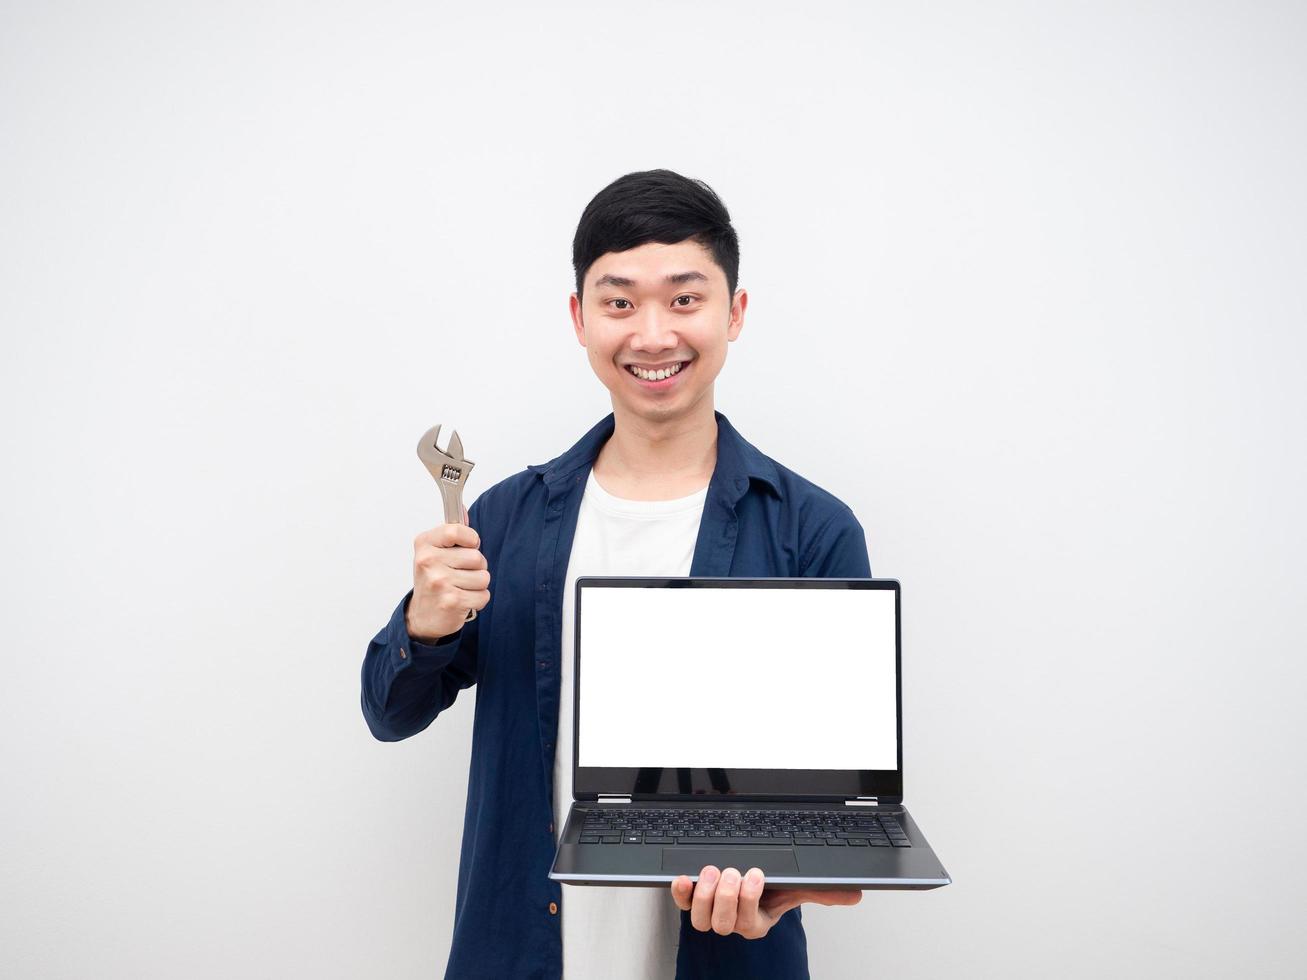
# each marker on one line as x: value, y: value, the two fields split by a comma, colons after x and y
x: 451, y: 579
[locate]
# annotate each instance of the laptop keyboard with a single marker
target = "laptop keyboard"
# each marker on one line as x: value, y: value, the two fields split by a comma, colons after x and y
x: 808, y: 828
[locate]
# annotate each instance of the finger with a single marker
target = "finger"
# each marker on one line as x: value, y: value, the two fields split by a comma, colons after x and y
x: 431, y: 569
x: 701, y: 904
x: 449, y: 535
x: 432, y: 556
x: 466, y: 519
x: 749, y: 921
x: 726, y: 903
x: 461, y: 535
x: 682, y: 892
x: 471, y: 579
x: 460, y: 557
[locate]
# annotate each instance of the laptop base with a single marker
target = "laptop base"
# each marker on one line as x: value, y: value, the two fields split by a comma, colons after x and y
x: 810, y: 867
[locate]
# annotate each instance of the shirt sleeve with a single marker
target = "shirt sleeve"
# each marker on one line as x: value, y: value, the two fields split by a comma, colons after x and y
x: 838, y: 549
x: 406, y: 683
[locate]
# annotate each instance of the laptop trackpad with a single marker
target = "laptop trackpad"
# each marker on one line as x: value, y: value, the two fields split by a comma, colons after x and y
x: 691, y: 860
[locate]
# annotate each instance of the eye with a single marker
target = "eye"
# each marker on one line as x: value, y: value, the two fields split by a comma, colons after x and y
x: 619, y: 300
x: 684, y: 296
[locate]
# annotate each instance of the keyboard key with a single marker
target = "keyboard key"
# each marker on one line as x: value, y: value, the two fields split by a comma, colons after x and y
x: 589, y: 839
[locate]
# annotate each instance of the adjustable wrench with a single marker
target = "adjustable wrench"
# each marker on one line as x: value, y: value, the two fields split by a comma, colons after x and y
x: 450, y: 470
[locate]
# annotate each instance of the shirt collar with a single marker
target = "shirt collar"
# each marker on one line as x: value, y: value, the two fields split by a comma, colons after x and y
x: 738, y: 460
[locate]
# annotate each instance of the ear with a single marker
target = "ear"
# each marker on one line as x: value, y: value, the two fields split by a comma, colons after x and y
x: 736, y: 322
x: 574, y: 306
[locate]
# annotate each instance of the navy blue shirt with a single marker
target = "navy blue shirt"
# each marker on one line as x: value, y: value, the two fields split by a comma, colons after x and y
x: 759, y: 520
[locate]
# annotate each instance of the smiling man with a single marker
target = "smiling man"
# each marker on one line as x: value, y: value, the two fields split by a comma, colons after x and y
x: 663, y: 486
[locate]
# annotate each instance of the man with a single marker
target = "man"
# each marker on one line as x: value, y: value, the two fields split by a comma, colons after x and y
x: 662, y: 486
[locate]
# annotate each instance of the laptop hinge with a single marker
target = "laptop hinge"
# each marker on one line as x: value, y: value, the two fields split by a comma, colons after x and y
x: 863, y: 801
x: 613, y: 798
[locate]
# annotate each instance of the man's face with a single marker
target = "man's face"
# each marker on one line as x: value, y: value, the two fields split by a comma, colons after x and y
x: 658, y: 308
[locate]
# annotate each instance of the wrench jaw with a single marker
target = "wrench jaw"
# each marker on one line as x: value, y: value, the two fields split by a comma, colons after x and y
x: 446, y: 466
x: 450, y: 471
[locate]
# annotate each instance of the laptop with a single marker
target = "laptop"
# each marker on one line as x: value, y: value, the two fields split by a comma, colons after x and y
x: 740, y: 723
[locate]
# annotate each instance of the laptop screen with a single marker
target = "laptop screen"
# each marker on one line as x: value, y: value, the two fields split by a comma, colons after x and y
x: 736, y: 686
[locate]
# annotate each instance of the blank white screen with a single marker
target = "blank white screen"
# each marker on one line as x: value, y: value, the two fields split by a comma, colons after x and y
x: 737, y: 678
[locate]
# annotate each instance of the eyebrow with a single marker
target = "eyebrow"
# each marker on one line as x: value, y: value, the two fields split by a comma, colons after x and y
x: 675, y: 277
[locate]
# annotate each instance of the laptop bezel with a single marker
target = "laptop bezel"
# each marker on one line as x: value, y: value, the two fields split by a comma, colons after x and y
x: 743, y: 785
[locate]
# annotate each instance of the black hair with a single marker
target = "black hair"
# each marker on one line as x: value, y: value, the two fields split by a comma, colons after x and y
x: 655, y: 206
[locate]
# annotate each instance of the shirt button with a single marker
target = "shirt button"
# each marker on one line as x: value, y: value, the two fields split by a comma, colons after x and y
x: 551, y: 828
x: 402, y: 654
x: 553, y: 908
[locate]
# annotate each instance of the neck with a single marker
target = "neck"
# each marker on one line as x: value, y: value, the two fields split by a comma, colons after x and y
x: 659, y: 459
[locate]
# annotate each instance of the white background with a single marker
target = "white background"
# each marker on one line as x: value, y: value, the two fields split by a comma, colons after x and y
x: 1025, y: 291
x: 804, y: 678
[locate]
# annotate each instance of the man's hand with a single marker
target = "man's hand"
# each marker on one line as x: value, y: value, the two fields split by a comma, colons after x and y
x: 450, y: 576
x: 726, y: 903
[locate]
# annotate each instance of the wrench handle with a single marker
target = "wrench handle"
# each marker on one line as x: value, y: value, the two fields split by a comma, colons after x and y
x: 452, y: 496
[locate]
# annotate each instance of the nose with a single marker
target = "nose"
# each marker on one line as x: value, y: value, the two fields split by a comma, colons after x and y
x: 652, y: 332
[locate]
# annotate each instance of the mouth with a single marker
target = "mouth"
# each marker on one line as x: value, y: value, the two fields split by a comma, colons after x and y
x: 658, y: 378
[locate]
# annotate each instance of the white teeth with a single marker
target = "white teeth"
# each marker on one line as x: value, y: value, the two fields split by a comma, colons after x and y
x: 654, y: 375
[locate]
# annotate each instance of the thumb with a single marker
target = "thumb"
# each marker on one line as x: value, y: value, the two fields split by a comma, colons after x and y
x: 466, y: 519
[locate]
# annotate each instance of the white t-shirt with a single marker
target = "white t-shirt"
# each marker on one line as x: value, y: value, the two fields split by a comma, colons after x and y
x: 612, y: 932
